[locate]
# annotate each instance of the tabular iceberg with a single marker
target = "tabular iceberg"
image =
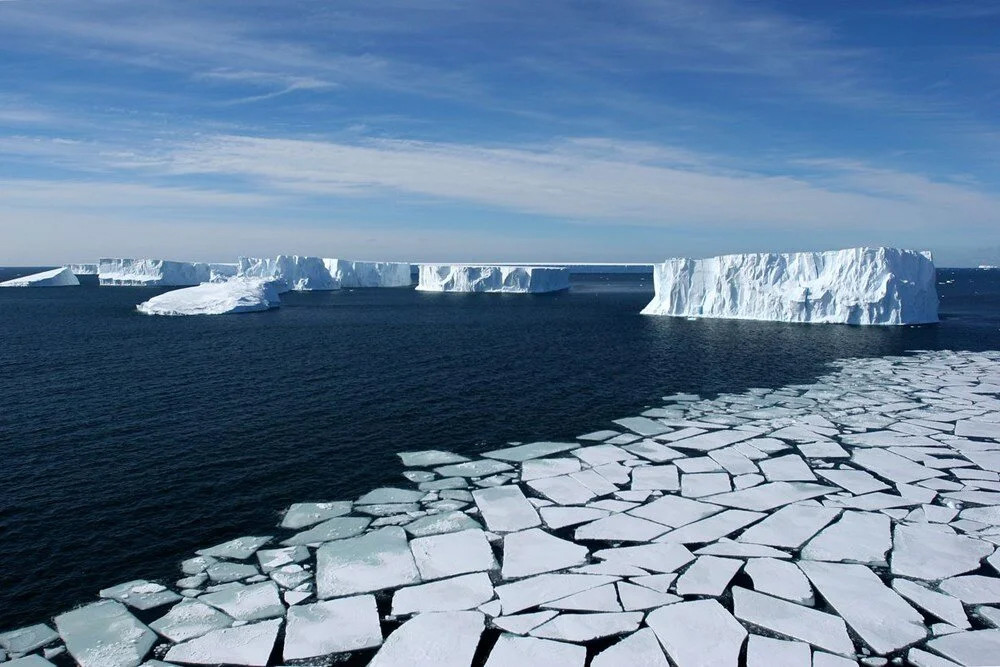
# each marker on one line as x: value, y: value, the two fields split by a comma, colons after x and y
x: 152, y: 272
x: 514, y: 279
x: 61, y: 277
x: 370, y: 274
x: 238, y: 295
x: 885, y: 286
x: 83, y: 269
x: 299, y: 273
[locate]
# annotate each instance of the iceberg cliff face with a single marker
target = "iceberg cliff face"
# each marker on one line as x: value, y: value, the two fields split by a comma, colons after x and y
x: 370, y: 274
x: 510, y: 279
x: 152, y: 272
x: 83, y: 269
x: 237, y: 295
x: 855, y: 286
x: 61, y: 277
x: 299, y: 273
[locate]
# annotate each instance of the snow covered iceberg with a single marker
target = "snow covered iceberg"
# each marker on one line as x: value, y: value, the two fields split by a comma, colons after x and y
x: 469, y: 278
x: 238, y: 295
x: 369, y: 274
x: 884, y: 286
x: 152, y: 272
x: 61, y: 277
x: 299, y: 273
x: 83, y: 269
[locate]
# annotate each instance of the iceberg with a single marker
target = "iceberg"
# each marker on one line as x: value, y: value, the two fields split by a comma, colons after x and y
x: 507, y: 279
x: 152, y: 273
x: 237, y: 295
x: 351, y: 273
x: 61, y: 277
x: 299, y: 273
x: 219, y: 271
x: 83, y: 269
x: 867, y: 286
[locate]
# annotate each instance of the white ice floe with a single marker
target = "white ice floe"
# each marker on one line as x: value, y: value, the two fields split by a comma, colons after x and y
x: 61, y: 277
x: 505, y: 509
x: 779, y: 578
x: 973, y: 589
x: 353, y: 273
x: 301, y: 515
x: 514, y: 651
x: 698, y: 633
x: 785, y: 618
x: 534, y: 551
x: 24, y: 640
x: 978, y: 647
x: 790, y: 526
x: 712, y: 528
x: 189, y: 619
x: 105, y: 634
x: 768, y: 496
x: 332, y: 626
x: 635, y: 597
x: 236, y: 295
x: 152, y: 272
x: 620, y: 528
x: 456, y: 594
x: 336, y: 528
x: 662, y: 558
x: 372, y: 562
x: 586, y: 627
x: 532, y: 450
x: 603, y: 598
x: 675, y: 511
x: 925, y: 552
x: 508, y: 279
x: 770, y: 652
x: 440, y: 639
x: 854, y: 286
x: 531, y: 592
x: 860, y: 537
x: 448, y: 554
x: 295, y: 272
x: 247, y: 603
x: 943, y: 606
x: 244, y: 645
x: 708, y: 575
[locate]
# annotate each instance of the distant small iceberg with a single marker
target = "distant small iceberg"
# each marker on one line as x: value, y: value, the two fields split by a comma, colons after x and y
x: 492, y: 278
x: 237, y: 295
x: 61, y: 277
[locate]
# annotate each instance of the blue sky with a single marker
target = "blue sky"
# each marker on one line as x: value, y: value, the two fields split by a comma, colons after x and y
x: 463, y: 130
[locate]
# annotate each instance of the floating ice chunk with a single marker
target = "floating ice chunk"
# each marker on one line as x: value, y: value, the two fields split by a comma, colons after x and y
x: 861, y: 537
x: 542, y: 468
x: 513, y: 651
x: 883, y: 286
x: 448, y: 554
x: 821, y: 659
x: 978, y: 647
x: 301, y: 515
x: 104, y: 634
x: 705, y: 484
x: 196, y: 565
x: 883, y: 619
x: 353, y: 274
x: 943, y: 606
x: 925, y: 552
x: 780, y: 579
x: 620, y: 528
x: 708, y: 575
x: 480, y: 468
x: 602, y: 598
x: 337, y: 528
x: 378, y: 560
x: 790, y: 526
x: 141, y: 594
x: 231, y: 296
x: 660, y: 583
x: 429, y: 457
x: 244, y: 645
x: 189, y: 619
x: 247, y: 603
x: 893, y: 466
x: 239, y: 549
x: 634, y: 597
x: 733, y: 461
x: 446, y: 522
x: 643, y: 426
x: 505, y: 509
x: 586, y: 627
x: 769, y: 652
x: 522, y: 623
x: 595, y: 482
x: 533, y: 450
x: 664, y: 557
x: 653, y: 451
x: 726, y: 547
x: 456, y: 594
x: 438, y: 639
x: 388, y: 496
x: 972, y: 428
x: 973, y: 589
x: 564, y: 490
x: 768, y: 496
x: 24, y: 640
x: 699, y: 633
x: 712, y: 440
x: 675, y: 511
x: 271, y: 559
x: 534, y: 551
x: 333, y: 626
x: 789, y: 468
x: 534, y: 591
x: 507, y: 279
x: 61, y: 277
x: 560, y: 517
x: 791, y: 620
x: 596, y: 455
x: 712, y: 528
x: 225, y: 572
x: 31, y: 661
x: 597, y: 436
x: 855, y: 481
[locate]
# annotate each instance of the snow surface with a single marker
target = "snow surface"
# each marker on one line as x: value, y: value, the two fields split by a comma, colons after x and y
x: 507, y: 279
x: 855, y: 286
x: 351, y: 273
x: 152, y: 272
x: 83, y: 269
x: 61, y: 277
x: 298, y: 273
x: 237, y: 295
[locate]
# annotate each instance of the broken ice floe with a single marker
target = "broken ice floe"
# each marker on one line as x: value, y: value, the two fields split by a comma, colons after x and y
x: 852, y: 520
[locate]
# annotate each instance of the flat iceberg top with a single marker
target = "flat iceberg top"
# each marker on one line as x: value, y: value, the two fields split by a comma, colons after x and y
x: 83, y: 269
x: 61, y: 277
x: 492, y: 278
x: 152, y: 272
x: 884, y: 286
x: 237, y: 295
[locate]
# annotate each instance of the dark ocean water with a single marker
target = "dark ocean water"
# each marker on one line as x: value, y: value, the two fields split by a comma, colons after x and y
x: 127, y: 441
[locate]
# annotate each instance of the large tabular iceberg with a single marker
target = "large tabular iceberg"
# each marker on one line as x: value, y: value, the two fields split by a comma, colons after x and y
x: 61, y: 277
x: 299, y: 273
x: 238, y: 295
x: 152, y: 272
x: 83, y: 269
x: 468, y: 278
x: 370, y: 274
x: 853, y: 286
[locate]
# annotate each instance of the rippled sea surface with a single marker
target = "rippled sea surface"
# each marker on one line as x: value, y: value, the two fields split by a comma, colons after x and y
x: 127, y: 442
